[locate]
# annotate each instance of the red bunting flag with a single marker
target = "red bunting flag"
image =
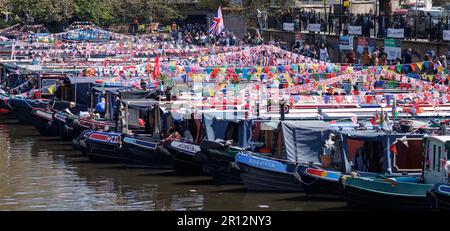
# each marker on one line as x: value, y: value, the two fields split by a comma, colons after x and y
x: 393, y: 148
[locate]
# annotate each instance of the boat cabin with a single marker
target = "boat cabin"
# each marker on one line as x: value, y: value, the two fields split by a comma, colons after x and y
x: 141, y: 117
x: 71, y: 89
x: 377, y: 152
x: 436, y: 150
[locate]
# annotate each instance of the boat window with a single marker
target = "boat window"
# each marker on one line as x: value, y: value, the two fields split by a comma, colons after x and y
x: 434, y: 157
x: 408, y: 158
x: 448, y: 154
x: 439, y: 159
x: 366, y: 156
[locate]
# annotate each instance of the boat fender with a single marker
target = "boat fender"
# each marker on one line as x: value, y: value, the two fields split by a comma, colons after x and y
x: 164, y: 151
x: 234, y: 165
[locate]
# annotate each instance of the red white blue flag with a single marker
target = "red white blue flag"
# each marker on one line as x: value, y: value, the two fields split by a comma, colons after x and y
x: 217, y: 25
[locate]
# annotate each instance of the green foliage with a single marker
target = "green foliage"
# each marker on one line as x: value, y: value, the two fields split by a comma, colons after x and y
x: 101, y: 12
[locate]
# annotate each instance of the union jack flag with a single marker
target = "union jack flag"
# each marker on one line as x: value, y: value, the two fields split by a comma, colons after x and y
x: 217, y: 25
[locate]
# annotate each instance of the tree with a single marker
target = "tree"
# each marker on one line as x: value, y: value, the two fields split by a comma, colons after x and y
x: 101, y: 12
x: 145, y: 10
x: 274, y: 8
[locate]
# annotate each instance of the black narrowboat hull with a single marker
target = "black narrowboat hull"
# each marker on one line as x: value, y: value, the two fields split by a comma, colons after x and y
x: 23, y: 115
x: 258, y: 179
x: 219, y: 167
x: 66, y: 130
x: 324, y: 184
x: 186, y: 163
x: 23, y: 111
x: 45, y: 127
x: 145, y: 153
x: 322, y: 188
x: 102, y: 153
x: 101, y: 147
x: 217, y: 163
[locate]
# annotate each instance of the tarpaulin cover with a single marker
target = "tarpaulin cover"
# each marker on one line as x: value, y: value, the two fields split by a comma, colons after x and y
x: 217, y: 128
x: 303, y: 140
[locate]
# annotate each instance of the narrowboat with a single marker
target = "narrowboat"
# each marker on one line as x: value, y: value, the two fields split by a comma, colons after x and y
x: 365, y: 152
x: 184, y: 151
x: 401, y: 192
x: 22, y: 106
x: 71, y: 91
x: 71, y: 125
x: 74, y: 124
x: 273, y: 165
x: 141, y: 127
x: 225, y: 135
x: 101, y: 146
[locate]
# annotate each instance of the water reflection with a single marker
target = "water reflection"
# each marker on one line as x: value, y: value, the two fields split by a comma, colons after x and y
x: 43, y: 173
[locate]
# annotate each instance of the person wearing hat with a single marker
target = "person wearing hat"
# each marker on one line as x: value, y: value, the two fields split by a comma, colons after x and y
x: 100, y: 107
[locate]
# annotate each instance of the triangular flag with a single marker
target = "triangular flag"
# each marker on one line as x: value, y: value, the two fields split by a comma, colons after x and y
x: 419, y: 65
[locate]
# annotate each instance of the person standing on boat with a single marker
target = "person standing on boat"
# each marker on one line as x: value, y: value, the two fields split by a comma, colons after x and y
x: 100, y: 107
x: 71, y: 109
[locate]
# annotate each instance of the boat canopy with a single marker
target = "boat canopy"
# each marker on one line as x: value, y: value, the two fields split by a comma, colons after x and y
x: 303, y: 140
x: 227, y: 126
x: 384, y: 139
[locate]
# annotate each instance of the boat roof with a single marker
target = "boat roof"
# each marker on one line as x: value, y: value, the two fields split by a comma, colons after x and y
x: 140, y: 104
x: 442, y: 139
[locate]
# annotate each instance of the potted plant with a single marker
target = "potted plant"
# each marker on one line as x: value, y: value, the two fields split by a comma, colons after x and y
x: 327, y: 157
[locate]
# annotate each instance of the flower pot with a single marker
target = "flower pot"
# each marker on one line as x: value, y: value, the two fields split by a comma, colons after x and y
x: 326, y: 161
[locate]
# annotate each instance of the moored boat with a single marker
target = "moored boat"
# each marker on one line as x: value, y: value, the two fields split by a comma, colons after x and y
x: 224, y: 137
x: 294, y: 142
x: 388, y: 192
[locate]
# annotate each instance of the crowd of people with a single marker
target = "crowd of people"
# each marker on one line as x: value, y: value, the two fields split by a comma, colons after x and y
x: 417, y: 26
x: 197, y: 34
x: 379, y: 57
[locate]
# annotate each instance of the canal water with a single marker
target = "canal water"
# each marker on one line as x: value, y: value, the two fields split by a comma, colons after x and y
x: 43, y: 173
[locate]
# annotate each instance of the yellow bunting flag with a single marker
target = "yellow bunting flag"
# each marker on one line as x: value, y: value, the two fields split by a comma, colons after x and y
x: 419, y: 65
x: 211, y: 92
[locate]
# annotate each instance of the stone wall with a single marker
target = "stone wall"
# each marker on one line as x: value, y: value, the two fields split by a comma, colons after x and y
x: 235, y: 23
